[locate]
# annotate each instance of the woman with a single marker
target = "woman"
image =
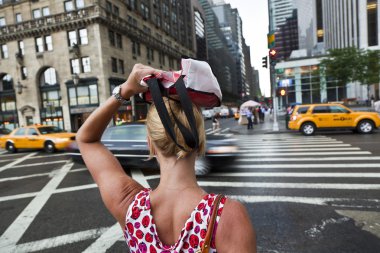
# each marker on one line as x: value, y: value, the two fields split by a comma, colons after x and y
x: 180, y: 208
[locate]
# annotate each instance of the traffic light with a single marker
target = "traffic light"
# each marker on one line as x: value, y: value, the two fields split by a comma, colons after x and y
x: 273, y: 56
x: 265, y: 62
x: 282, y: 91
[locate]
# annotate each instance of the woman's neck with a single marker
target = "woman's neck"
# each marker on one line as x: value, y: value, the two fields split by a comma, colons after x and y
x: 177, y: 174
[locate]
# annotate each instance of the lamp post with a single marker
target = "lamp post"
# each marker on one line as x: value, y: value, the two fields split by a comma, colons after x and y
x: 19, y: 87
x: 75, y: 78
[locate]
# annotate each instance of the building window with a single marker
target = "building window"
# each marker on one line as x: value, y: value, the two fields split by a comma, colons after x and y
x: 36, y: 13
x: 44, y: 44
x: 115, y: 39
x: 45, y: 11
x: 21, y: 49
x: 161, y: 58
x: 49, y: 77
x: 2, y: 22
x: 119, y: 42
x: 111, y: 37
x: 75, y: 67
x: 18, y: 18
x: 69, y: 6
x: 372, y: 22
x: 82, y: 64
x: 131, y: 4
x: 4, y: 51
x: 149, y: 54
x: 116, y: 10
x: 83, y: 95
x: 121, y: 66
x: 86, y: 66
x: 144, y: 11
x: 75, y: 34
x: 79, y: 4
x: 114, y: 64
x: 24, y: 73
x: 136, y: 48
x: 109, y: 6
x: 171, y: 63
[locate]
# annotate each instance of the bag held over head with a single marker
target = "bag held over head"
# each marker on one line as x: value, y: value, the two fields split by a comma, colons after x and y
x: 194, y: 84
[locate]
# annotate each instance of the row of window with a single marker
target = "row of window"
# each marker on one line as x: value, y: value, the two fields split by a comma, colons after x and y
x: 45, y: 43
x: 45, y: 11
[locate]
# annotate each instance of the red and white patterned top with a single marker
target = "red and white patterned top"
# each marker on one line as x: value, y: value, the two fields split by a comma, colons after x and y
x: 141, y: 233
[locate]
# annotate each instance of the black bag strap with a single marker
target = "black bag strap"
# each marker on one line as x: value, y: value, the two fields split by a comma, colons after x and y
x: 157, y: 91
x: 187, y: 106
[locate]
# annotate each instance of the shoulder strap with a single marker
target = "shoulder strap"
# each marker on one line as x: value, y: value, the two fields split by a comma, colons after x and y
x: 190, y: 136
x: 211, y: 224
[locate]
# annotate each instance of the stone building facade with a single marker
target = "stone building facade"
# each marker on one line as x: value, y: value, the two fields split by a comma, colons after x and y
x: 60, y: 59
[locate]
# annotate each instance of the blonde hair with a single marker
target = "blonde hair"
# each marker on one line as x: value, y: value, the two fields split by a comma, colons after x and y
x: 161, y: 138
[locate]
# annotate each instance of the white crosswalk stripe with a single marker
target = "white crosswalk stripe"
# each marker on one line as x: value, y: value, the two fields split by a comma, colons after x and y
x: 307, y: 166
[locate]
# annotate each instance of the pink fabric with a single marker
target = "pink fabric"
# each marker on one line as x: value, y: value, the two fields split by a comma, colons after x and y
x: 141, y: 233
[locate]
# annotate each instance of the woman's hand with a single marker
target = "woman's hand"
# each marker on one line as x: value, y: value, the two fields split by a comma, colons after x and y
x: 132, y: 85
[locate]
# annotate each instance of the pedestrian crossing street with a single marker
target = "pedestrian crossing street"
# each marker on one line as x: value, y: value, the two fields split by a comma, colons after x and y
x: 293, y: 168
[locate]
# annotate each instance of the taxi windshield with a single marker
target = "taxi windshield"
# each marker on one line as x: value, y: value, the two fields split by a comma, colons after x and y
x: 50, y: 130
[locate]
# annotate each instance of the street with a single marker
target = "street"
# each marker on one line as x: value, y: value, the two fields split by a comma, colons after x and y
x: 303, y: 194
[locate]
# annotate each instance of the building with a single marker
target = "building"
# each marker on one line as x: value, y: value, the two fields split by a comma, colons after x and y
x: 324, y: 25
x: 231, y: 25
x: 279, y: 11
x: 287, y: 39
x: 60, y: 59
x: 220, y: 58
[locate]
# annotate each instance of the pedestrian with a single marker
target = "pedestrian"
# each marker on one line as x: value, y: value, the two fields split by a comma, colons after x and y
x: 152, y: 220
x: 249, y: 116
x: 263, y: 110
x: 215, y: 122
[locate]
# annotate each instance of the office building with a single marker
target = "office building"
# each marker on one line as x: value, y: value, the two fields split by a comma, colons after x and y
x: 59, y: 60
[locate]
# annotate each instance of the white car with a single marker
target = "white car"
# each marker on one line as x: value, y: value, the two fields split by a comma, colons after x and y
x: 224, y: 113
x: 207, y: 114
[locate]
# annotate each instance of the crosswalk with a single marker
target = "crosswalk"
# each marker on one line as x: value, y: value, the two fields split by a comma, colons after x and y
x: 315, y: 170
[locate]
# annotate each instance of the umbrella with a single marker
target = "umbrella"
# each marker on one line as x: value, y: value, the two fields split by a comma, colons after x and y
x: 377, y: 106
x: 249, y: 103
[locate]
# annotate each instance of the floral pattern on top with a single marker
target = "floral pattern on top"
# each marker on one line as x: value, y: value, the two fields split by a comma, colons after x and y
x: 141, y: 234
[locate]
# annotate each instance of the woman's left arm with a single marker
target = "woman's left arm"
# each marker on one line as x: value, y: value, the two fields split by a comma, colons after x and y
x: 116, y: 187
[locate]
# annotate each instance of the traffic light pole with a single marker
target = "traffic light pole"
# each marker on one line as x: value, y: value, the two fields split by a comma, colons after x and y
x: 274, y: 98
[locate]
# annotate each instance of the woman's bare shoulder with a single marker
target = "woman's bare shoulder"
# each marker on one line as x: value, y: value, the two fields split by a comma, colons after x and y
x: 235, y: 231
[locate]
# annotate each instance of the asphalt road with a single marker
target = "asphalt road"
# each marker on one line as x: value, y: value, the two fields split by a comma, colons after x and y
x: 304, y: 194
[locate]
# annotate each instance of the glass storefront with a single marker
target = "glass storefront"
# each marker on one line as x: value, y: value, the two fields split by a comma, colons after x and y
x: 51, y: 111
x: 8, y: 110
x: 305, y: 85
x: 83, y: 99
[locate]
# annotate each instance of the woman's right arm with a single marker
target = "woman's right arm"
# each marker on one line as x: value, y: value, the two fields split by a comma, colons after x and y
x: 235, y: 231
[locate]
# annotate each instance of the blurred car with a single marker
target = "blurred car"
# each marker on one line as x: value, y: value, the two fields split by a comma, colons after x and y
x: 207, y: 114
x: 4, y: 131
x: 236, y: 115
x: 129, y: 145
x: 49, y: 138
x: 309, y: 118
x: 224, y: 112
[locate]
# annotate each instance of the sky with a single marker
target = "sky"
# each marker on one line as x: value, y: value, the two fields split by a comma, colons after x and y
x: 254, y: 15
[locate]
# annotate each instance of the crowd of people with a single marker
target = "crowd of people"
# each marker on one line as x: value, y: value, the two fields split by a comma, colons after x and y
x: 255, y: 115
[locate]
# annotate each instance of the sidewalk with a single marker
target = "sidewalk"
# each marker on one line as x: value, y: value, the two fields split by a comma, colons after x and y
x: 262, y: 128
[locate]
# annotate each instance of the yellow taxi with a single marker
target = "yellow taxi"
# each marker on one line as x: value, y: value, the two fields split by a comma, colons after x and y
x: 49, y: 138
x: 309, y: 118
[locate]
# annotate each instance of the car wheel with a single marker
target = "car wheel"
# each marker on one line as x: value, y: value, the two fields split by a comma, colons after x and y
x: 49, y: 147
x: 308, y: 128
x: 202, y: 166
x: 11, y: 147
x: 365, y: 127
